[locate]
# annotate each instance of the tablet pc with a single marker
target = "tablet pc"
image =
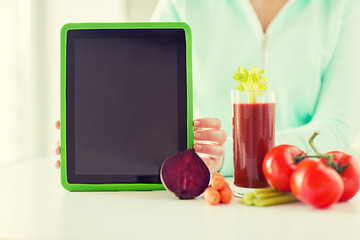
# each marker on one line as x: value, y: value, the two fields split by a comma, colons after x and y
x: 126, y: 103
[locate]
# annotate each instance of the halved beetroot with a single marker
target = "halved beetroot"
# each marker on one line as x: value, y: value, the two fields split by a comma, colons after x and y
x: 185, y: 175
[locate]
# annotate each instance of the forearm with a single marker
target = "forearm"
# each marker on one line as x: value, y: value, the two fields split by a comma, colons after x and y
x: 334, y: 135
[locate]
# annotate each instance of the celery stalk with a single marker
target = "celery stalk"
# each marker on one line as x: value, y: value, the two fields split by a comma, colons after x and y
x: 251, y: 81
x: 265, y: 190
x: 248, y: 198
x: 286, y: 198
x: 268, y: 195
x: 252, y: 97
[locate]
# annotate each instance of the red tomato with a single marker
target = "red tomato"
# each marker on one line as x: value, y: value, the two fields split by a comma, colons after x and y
x: 278, y: 165
x: 350, y: 176
x: 314, y: 183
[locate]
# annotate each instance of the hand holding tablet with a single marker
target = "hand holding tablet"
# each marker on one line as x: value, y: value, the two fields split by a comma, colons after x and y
x: 212, y: 154
x: 209, y: 142
x: 126, y: 104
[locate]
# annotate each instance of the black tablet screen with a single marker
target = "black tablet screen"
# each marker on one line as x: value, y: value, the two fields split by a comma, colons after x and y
x: 126, y: 103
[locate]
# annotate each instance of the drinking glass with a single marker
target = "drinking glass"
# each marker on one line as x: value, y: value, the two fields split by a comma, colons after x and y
x: 253, y: 114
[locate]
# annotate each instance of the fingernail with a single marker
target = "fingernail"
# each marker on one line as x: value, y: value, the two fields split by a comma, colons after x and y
x: 57, y: 151
x: 57, y: 124
x: 57, y: 164
x: 196, y: 135
x: 196, y: 123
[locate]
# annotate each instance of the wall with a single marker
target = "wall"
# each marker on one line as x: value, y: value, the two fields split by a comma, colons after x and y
x: 140, y: 10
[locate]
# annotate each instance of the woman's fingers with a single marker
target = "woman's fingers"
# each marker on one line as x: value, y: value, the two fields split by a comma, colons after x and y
x: 57, y: 146
x: 213, y: 163
x: 57, y: 150
x: 209, y: 141
x: 213, y: 123
x: 57, y: 124
x: 209, y: 149
x: 57, y: 164
x: 218, y: 136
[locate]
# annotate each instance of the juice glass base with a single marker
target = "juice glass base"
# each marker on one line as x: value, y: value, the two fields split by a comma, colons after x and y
x: 240, y: 191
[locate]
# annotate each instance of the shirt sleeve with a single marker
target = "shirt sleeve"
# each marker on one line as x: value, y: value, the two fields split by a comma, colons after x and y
x: 337, y: 114
x: 166, y: 11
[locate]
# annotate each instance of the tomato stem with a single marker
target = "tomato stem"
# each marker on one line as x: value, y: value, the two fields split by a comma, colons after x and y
x: 341, y: 168
x: 311, y: 142
x: 299, y: 158
x: 329, y: 158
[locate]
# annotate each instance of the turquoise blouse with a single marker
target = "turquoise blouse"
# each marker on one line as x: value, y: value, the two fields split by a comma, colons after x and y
x: 310, y: 53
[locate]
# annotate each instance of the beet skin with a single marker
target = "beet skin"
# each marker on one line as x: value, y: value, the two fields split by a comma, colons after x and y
x: 185, y: 175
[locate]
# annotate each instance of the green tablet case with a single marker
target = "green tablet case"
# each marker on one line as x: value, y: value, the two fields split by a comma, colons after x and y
x: 63, y: 86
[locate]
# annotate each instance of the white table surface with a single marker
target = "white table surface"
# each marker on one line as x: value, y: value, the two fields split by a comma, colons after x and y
x: 33, y: 205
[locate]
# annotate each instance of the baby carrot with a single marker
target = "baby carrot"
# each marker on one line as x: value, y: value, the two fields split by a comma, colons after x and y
x: 226, y: 194
x: 218, y: 181
x: 212, y: 196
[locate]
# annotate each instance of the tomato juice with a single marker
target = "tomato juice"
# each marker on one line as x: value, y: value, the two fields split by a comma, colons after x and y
x: 253, y: 135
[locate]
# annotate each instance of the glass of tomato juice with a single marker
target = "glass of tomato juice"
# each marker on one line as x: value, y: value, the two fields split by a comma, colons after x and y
x: 253, y: 115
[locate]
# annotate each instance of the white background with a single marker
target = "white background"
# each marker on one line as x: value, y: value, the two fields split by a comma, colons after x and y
x: 30, y: 67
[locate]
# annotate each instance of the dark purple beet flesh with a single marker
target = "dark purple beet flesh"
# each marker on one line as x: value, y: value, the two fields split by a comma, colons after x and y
x: 185, y: 174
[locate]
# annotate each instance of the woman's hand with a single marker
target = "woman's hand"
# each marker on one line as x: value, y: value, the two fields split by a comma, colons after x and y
x: 57, y: 146
x: 209, y: 142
